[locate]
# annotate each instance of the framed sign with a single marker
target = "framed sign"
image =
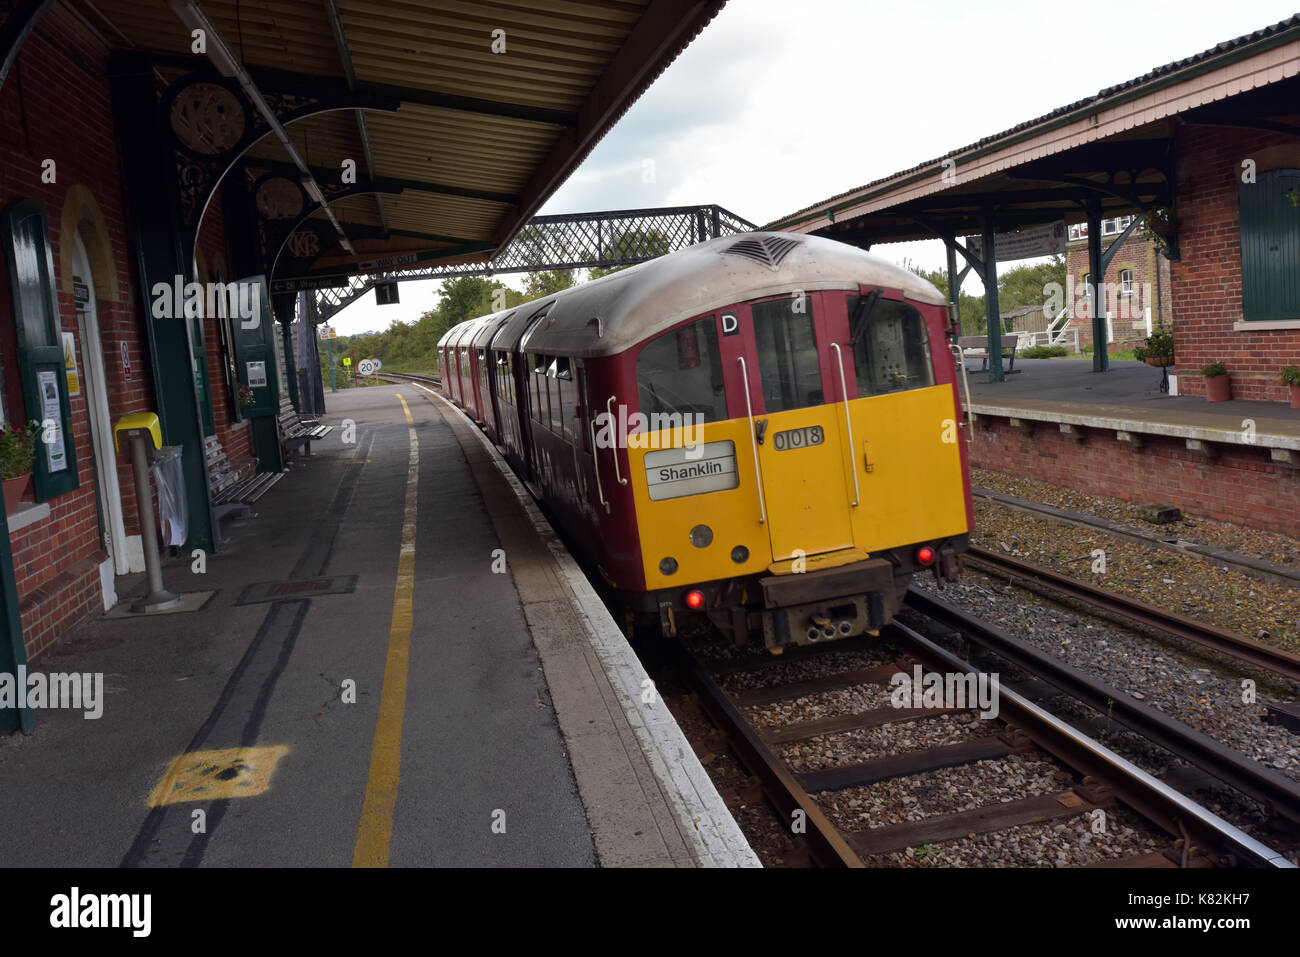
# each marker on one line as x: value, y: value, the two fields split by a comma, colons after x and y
x: 70, y: 363
x: 256, y: 374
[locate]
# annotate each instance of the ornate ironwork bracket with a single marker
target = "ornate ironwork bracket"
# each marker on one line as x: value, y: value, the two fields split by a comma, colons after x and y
x: 212, y: 123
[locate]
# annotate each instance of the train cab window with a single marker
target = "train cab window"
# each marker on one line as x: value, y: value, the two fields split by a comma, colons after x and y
x: 680, y: 372
x: 891, y: 351
x: 788, y: 369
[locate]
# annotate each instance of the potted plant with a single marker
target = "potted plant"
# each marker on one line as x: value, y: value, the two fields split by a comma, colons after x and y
x: 247, y: 399
x: 1291, y: 377
x: 1159, y: 350
x: 1218, y: 387
x: 1162, y: 226
x: 16, y: 448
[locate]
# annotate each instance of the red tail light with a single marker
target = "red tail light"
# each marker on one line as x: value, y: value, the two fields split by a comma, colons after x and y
x: 925, y: 555
x: 695, y: 598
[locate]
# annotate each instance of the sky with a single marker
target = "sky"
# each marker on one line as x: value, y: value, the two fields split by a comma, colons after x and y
x: 776, y: 106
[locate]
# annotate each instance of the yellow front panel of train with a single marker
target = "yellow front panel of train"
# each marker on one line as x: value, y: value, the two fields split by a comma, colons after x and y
x: 904, y: 449
x: 803, y: 457
x: 679, y: 488
x: 908, y: 457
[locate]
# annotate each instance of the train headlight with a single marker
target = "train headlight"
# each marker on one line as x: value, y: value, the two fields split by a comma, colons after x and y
x: 668, y: 566
x: 740, y: 554
x: 701, y: 536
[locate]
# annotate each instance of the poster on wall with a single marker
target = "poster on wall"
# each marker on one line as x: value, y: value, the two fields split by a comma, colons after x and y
x: 70, y: 363
x: 256, y: 374
x: 56, y: 456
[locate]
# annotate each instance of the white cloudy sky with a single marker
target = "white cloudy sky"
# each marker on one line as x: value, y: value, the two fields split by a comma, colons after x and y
x: 777, y: 105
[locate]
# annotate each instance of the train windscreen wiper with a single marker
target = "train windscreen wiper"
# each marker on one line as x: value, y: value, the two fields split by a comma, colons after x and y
x: 858, y: 324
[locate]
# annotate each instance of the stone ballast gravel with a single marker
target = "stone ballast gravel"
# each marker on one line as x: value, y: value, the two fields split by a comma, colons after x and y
x: 1202, y: 697
x: 900, y: 737
x: 1268, y: 546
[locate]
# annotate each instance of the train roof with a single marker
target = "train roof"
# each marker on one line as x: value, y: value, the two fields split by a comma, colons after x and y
x: 612, y: 314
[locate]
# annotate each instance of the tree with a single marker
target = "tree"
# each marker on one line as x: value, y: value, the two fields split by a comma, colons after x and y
x: 638, y: 244
x: 973, y: 308
x: 539, y: 285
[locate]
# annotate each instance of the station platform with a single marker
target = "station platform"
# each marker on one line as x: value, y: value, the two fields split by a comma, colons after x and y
x: 399, y: 665
x: 1128, y: 399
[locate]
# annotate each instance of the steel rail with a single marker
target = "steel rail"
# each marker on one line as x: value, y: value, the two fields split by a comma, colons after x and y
x: 1265, y: 656
x: 1135, y: 787
x: 828, y: 847
x: 1269, y: 787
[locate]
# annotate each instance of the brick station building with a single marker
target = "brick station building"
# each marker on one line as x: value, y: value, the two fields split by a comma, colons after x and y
x: 300, y: 148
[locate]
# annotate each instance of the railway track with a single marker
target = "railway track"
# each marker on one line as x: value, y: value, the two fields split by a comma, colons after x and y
x: 1101, y: 779
x: 1042, y: 579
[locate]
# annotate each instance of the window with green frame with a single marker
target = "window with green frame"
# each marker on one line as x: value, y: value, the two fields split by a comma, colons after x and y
x: 1270, y: 246
x: 40, y: 347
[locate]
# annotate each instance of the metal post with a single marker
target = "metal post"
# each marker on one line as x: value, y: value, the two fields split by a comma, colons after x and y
x: 329, y: 357
x: 954, y: 280
x: 990, y: 255
x: 1096, y: 272
x: 159, y: 598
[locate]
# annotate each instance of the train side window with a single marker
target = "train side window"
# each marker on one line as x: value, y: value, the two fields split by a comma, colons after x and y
x: 538, y: 377
x: 568, y: 396
x: 788, y: 367
x: 891, y: 351
x: 553, y: 394
x: 680, y: 372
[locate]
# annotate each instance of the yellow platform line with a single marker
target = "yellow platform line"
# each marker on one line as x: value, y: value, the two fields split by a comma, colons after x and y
x: 375, y: 832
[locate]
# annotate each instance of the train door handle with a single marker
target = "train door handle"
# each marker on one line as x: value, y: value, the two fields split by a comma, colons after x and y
x: 760, y: 430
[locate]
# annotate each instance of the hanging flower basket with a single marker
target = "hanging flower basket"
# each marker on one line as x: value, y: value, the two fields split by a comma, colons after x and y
x: 1159, y: 361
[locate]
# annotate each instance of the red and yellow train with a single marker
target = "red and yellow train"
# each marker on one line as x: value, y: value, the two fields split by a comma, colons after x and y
x: 762, y: 431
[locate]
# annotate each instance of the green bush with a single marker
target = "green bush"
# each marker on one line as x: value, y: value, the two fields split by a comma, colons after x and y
x: 1291, y: 375
x: 1043, y: 352
x: 1214, y: 369
x: 16, y: 448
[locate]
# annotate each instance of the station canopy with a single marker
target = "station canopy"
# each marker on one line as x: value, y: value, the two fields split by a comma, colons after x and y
x: 1114, y: 151
x: 463, y: 117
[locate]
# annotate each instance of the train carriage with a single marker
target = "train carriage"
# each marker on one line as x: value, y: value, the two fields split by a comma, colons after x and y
x: 762, y: 432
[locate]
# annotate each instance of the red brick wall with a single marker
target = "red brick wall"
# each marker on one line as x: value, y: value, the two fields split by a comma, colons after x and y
x: 1207, y: 281
x: 60, y: 75
x: 1241, y: 485
x: 1140, y: 255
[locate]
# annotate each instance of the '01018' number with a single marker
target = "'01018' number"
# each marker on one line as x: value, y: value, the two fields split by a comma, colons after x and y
x: 799, y: 438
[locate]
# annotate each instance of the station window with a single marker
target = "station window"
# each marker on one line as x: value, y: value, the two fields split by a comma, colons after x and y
x: 680, y: 372
x: 1126, y: 282
x: 891, y: 351
x: 788, y: 368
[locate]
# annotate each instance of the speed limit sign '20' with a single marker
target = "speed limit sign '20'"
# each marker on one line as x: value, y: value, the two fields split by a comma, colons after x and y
x: 366, y: 367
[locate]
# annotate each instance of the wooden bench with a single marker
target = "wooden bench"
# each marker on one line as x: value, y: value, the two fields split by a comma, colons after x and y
x: 296, y: 431
x: 979, y: 346
x: 233, y: 488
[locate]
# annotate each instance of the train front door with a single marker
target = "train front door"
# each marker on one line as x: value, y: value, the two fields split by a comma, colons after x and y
x: 801, y: 449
